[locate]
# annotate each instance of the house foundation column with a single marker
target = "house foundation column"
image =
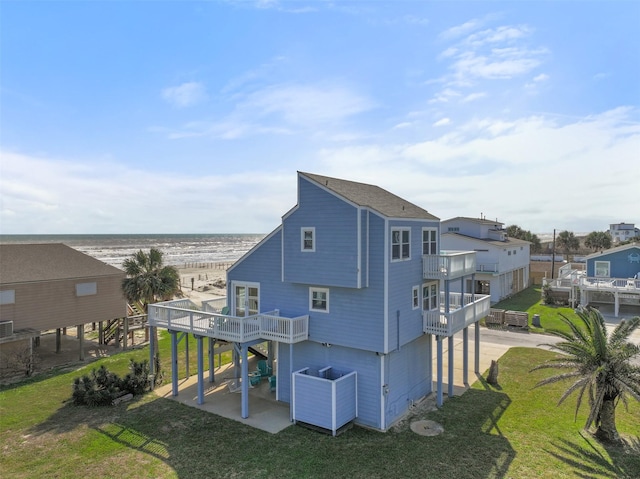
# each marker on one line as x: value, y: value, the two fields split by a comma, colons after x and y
x: 80, y: 332
x: 152, y: 350
x: 200, y: 369
x: 186, y: 352
x: 477, y: 348
x: 58, y: 340
x: 245, y: 381
x: 212, y: 377
x: 174, y: 362
x: 439, y: 372
x: 465, y: 356
x: 125, y: 338
x: 450, y: 371
x: 616, y: 298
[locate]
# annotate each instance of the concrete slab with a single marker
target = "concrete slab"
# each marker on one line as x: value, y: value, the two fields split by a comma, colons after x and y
x: 265, y: 412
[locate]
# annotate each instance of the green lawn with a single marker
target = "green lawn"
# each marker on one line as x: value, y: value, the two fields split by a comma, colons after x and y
x: 529, y: 300
x: 510, y: 431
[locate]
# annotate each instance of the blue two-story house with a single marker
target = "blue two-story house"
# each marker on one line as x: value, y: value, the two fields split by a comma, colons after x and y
x: 353, y: 292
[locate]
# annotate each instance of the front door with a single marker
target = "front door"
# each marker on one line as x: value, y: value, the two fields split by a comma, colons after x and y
x: 246, y: 299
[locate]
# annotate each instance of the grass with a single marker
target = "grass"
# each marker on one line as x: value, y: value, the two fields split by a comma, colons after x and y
x: 513, y: 430
x: 529, y: 300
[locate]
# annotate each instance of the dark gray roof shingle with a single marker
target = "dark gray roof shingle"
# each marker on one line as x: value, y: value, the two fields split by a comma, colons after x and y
x: 21, y: 263
x: 371, y: 196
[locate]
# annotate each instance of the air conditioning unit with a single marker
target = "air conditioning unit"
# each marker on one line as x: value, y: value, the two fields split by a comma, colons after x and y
x: 6, y: 329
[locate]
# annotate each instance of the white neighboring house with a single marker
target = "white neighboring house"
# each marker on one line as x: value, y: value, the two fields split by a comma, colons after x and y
x: 502, y: 263
x: 623, y: 232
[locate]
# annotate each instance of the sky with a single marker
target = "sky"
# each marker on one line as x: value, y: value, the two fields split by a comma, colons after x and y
x: 195, y: 116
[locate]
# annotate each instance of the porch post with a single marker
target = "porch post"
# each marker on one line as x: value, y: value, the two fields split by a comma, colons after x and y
x: 617, y: 302
x: 100, y: 332
x: 450, y: 385
x: 270, y: 354
x: 200, y: 369
x: 80, y: 331
x: 152, y: 365
x: 186, y: 349
x: 430, y: 362
x: 439, y: 373
x: 212, y: 373
x: 174, y: 362
x: 465, y: 356
x: 125, y: 338
x: 477, y: 347
x: 245, y: 381
x: 58, y: 340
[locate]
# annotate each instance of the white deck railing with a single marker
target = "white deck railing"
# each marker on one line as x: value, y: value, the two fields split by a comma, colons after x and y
x: 621, y: 285
x: 449, y: 264
x: 464, y: 310
x: 183, y: 315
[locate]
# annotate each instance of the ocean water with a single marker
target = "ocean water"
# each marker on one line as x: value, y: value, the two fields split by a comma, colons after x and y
x: 179, y: 249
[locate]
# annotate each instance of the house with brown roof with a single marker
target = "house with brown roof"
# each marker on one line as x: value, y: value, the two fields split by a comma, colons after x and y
x: 53, y: 286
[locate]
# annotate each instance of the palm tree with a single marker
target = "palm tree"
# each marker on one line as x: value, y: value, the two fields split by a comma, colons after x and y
x: 599, y: 364
x: 148, y: 281
x: 568, y: 241
x: 598, y: 240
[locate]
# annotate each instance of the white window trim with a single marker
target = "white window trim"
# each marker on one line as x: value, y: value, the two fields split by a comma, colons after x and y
x: 401, y: 230
x: 313, y: 239
x: 319, y: 290
x: 423, y: 242
x: 595, y: 269
x: 415, y: 297
x: 437, y: 296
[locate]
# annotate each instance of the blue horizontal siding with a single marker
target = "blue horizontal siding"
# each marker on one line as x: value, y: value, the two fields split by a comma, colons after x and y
x: 335, y: 259
x: 621, y: 267
x: 313, y: 401
x: 408, y: 376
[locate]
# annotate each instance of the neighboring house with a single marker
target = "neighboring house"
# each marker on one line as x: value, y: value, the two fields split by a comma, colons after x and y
x: 502, y: 263
x: 352, y: 290
x: 610, y: 280
x: 623, y: 232
x: 53, y: 286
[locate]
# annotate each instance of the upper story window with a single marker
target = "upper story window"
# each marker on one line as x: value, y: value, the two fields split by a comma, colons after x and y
x: 453, y: 229
x: 8, y: 296
x: 415, y: 297
x: 400, y: 244
x: 308, y: 239
x: 86, y: 289
x: 319, y: 300
x: 429, y: 241
x: 602, y: 268
x: 430, y: 296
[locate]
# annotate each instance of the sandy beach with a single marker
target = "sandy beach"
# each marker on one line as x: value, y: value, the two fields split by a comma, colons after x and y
x: 206, y: 281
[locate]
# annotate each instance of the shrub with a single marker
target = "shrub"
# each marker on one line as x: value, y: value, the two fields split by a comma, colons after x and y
x: 102, y: 386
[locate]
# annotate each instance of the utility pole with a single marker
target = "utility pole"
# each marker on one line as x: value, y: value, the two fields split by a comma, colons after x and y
x: 553, y: 254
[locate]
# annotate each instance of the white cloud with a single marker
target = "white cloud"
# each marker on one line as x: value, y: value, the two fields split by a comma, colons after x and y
x: 539, y: 172
x: 541, y: 78
x: 442, y: 122
x: 282, y: 109
x: 473, y: 96
x: 185, y: 95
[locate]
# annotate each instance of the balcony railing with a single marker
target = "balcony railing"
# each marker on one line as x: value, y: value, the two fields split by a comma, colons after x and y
x: 611, y: 284
x: 184, y: 315
x: 449, y: 264
x: 464, y: 310
x: 487, y: 267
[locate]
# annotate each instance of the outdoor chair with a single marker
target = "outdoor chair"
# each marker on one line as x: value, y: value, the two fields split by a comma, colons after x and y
x: 272, y: 383
x: 255, y: 378
x: 264, y: 368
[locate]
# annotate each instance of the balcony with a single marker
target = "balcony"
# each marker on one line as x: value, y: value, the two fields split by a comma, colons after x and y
x: 449, y: 264
x: 620, y: 285
x: 464, y: 310
x: 184, y: 315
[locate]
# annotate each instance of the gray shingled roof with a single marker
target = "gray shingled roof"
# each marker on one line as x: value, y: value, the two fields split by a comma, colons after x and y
x: 371, y: 196
x: 483, y: 221
x: 21, y: 263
